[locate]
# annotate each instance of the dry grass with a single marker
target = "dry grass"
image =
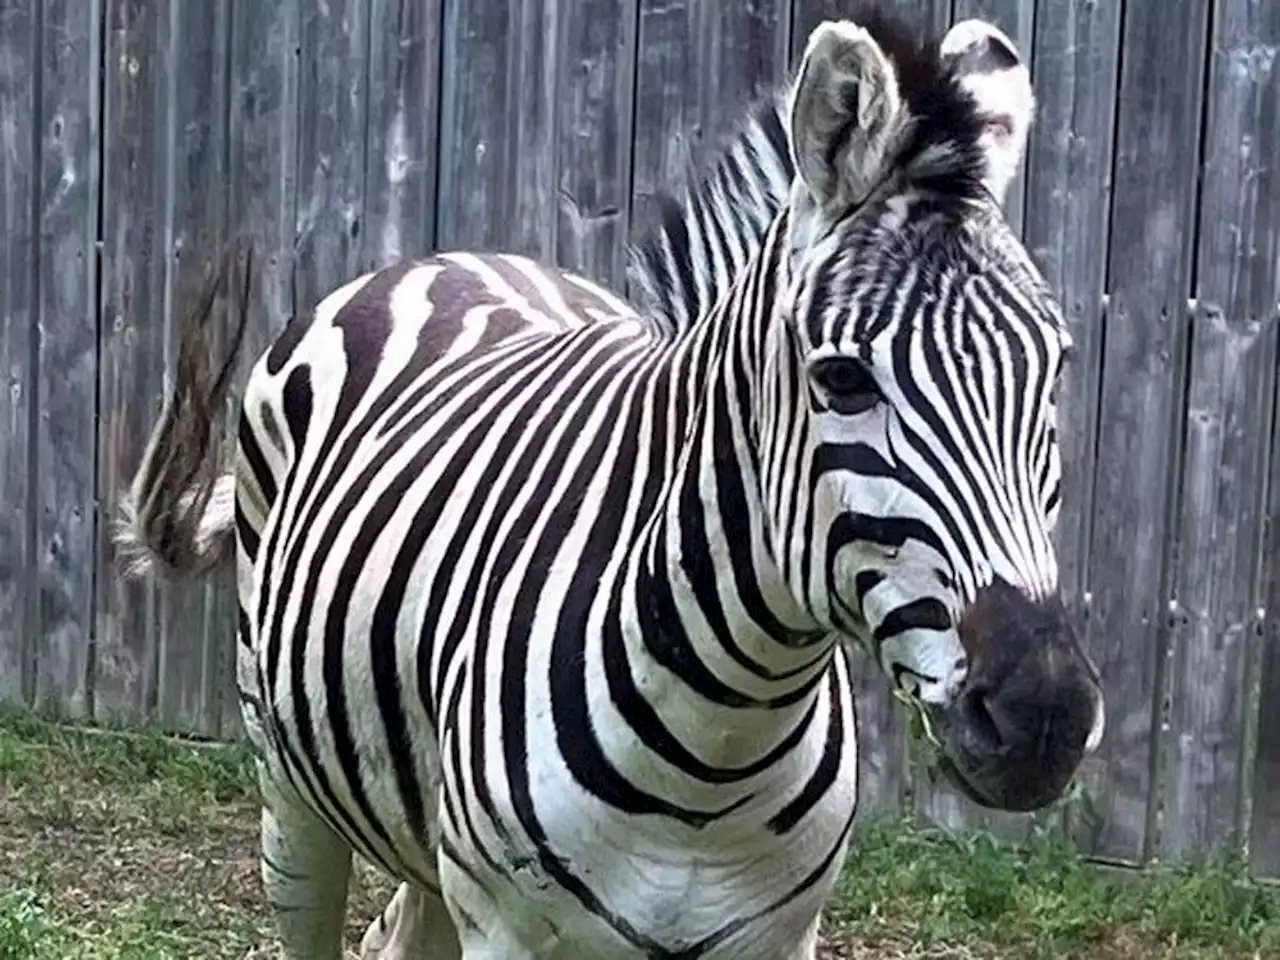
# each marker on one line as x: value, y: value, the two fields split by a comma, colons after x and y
x: 134, y: 848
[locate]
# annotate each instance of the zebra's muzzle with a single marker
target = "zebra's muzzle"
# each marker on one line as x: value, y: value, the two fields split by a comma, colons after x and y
x: 1031, y: 708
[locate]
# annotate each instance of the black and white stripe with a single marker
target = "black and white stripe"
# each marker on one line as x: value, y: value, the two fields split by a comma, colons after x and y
x: 541, y: 595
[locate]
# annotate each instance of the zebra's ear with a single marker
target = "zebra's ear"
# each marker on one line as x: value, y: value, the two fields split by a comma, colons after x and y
x: 842, y: 113
x: 990, y: 69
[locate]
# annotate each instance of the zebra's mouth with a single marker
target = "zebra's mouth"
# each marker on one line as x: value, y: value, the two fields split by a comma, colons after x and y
x: 948, y: 768
x: 975, y: 757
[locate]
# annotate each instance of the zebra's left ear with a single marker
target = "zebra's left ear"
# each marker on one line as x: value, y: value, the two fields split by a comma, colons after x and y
x: 843, y: 110
x: 990, y: 69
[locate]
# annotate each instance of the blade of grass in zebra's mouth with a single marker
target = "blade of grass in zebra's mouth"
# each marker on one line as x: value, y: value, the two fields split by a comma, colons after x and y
x: 928, y: 748
x: 920, y: 725
x: 930, y: 751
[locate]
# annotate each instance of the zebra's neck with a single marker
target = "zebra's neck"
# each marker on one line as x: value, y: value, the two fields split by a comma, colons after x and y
x: 709, y: 586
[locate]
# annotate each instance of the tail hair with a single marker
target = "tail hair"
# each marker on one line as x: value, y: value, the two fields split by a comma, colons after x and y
x: 178, y: 517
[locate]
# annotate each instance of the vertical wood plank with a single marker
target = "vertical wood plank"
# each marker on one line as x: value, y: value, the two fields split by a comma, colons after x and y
x: 403, y: 123
x: 884, y: 762
x: 136, y: 218
x: 668, y: 123
x: 476, y: 48
x: 1161, y: 82
x: 332, y: 91
x: 699, y: 66
x: 929, y: 15
x: 535, y: 134
x: 1264, y: 824
x: 68, y: 376
x: 531, y: 175
x: 19, y: 62
x: 594, y: 136
x: 1226, y: 464
x: 200, y: 619
x: 1017, y: 18
x: 264, y: 49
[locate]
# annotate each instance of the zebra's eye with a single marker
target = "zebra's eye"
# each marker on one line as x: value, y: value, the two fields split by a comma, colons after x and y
x: 847, y: 385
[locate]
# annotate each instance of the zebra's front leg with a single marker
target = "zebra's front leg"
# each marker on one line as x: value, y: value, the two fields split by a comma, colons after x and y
x: 414, y: 926
x: 489, y: 928
x: 305, y: 870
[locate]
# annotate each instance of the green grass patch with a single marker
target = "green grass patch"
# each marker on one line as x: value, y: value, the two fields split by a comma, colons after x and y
x: 933, y: 887
x: 139, y: 848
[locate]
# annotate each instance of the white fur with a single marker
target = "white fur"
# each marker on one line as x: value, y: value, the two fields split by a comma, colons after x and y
x: 1005, y: 97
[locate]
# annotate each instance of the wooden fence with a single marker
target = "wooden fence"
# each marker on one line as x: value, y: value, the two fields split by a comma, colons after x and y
x: 345, y: 133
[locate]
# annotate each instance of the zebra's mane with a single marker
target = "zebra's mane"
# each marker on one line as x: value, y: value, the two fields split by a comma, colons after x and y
x: 690, y: 257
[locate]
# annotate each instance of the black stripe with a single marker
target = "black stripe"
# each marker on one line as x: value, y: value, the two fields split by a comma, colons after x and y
x: 923, y: 613
x: 824, y: 776
x: 249, y: 538
x: 257, y: 462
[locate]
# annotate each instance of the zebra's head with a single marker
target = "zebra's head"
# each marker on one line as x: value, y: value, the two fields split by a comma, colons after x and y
x: 920, y: 347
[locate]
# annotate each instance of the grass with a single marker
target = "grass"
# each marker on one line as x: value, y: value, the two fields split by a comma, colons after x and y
x: 137, y: 848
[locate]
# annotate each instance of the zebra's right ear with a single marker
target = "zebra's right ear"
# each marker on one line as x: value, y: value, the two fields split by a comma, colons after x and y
x: 842, y: 114
x: 988, y: 66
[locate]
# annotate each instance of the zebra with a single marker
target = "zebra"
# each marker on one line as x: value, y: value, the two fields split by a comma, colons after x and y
x: 543, y: 597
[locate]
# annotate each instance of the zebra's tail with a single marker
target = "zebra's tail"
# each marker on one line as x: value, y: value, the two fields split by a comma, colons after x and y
x: 178, y: 517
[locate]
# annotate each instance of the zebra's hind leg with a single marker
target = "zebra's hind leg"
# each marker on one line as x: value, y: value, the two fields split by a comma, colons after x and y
x: 808, y: 948
x: 414, y: 926
x: 305, y: 869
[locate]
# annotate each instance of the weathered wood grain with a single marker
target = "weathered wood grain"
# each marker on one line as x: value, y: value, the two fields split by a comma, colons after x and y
x: 885, y: 785
x: 668, y: 123
x: 933, y: 15
x: 474, y: 150
x: 198, y: 619
x: 137, y: 194
x: 1264, y: 782
x: 531, y: 177
x: 332, y: 87
x: 68, y: 375
x: 807, y: 14
x: 501, y: 111
x: 262, y: 129
x: 596, y: 89
x: 403, y: 121
x: 19, y: 585
x: 1161, y: 84
x: 699, y: 65
x: 1225, y: 470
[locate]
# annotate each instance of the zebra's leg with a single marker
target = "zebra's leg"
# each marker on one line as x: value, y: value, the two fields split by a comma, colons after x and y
x: 487, y: 928
x: 305, y: 869
x: 414, y: 926
x: 808, y: 949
